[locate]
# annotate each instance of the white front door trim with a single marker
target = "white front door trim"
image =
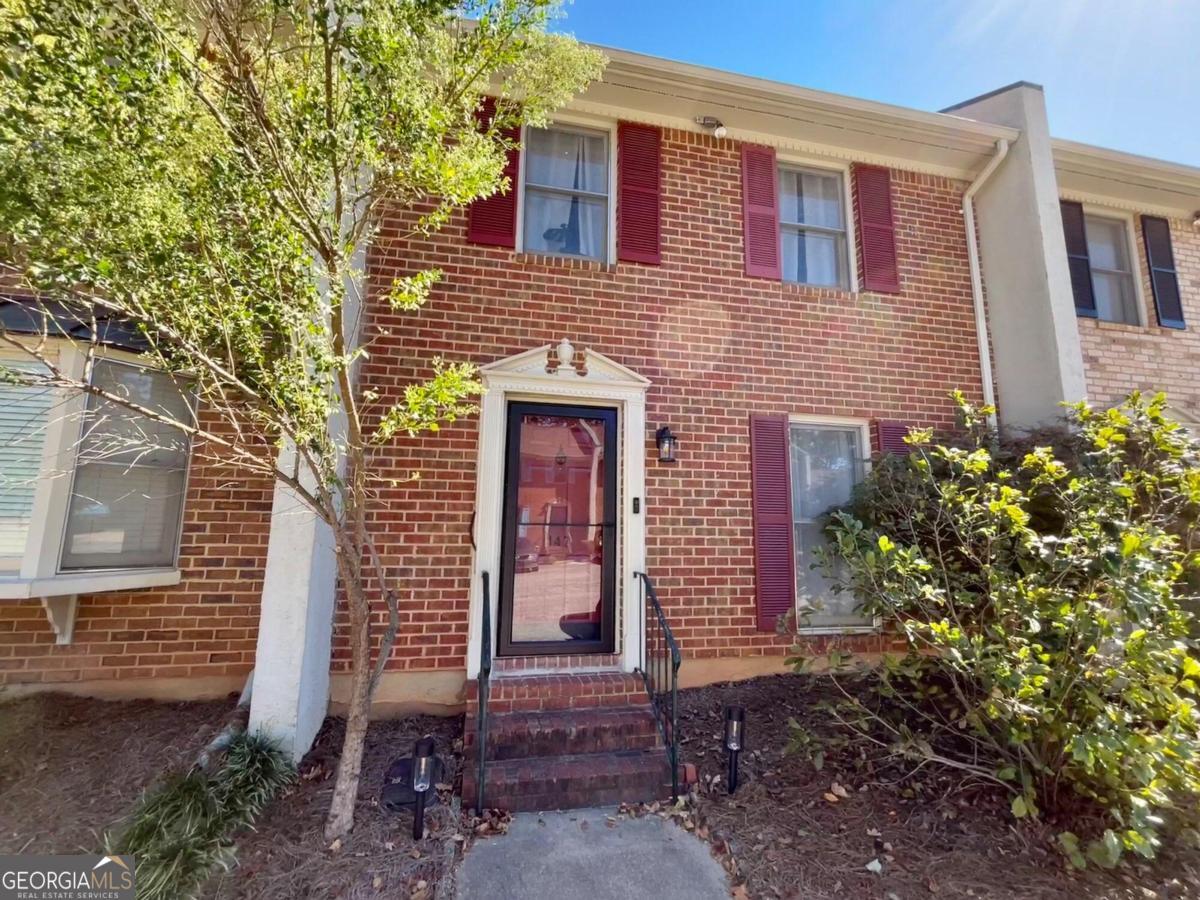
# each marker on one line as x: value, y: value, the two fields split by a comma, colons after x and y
x: 600, y: 381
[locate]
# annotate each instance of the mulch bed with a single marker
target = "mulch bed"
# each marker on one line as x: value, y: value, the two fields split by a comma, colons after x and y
x: 287, y: 857
x: 71, y: 767
x: 788, y: 832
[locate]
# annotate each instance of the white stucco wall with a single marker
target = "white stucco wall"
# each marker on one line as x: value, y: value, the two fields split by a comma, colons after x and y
x: 1031, y: 310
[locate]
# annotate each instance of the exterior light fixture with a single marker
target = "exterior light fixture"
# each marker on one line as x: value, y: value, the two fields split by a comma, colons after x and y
x: 667, y: 444
x: 712, y: 124
x: 735, y: 741
x: 560, y: 458
x: 422, y: 781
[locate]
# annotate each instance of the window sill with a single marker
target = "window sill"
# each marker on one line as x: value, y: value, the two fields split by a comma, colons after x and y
x: 87, y: 583
x: 562, y: 260
x: 825, y: 630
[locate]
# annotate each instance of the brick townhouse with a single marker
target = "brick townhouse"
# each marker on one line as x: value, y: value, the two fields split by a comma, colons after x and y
x: 706, y: 302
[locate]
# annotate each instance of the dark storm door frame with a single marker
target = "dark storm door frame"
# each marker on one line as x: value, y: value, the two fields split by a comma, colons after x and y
x: 508, y: 531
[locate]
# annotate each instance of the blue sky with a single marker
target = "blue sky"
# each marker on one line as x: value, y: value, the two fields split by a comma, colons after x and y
x: 1119, y: 73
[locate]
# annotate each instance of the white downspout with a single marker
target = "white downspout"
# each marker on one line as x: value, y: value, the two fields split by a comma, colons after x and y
x: 981, y: 323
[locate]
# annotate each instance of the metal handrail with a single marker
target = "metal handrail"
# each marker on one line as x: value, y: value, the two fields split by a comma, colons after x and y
x: 660, y: 673
x: 485, y: 674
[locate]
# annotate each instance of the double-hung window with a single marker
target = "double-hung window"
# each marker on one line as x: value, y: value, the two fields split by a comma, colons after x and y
x: 812, y: 227
x: 566, y: 192
x: 1112, y: 270
x: 130, y: 473
x: 1101, y: 265
x: 827, y: 461
x: 91, y: 490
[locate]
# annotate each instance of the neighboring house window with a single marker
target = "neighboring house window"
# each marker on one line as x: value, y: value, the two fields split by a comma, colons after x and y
x: 1101, y: 265
x: 130, y: 473
x: 826, y: 464
x: 566, y: 174
x: 812, y: 226
x: 87, y: 485
x: 1112, y: 273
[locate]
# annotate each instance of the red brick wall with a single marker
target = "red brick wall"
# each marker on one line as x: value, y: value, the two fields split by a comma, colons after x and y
x: 716, y: 346
x: 203, y: 628
x: 1121, y: 358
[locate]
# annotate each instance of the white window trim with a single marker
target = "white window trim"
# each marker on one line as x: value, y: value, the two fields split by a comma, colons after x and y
x: 864, y: 437
x: 786, y: 160
x: 1128, y: 221
x: 40, y: 574
x: 591, y: 123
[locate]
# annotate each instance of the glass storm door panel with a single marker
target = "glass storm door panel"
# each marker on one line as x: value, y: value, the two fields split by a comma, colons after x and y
x: 559, y: 546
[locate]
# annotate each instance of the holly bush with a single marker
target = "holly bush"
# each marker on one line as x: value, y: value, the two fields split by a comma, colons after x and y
x: 1041, y: 593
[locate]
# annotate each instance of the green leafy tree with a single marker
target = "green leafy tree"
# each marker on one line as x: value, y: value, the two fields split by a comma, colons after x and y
x: 1039, y: 595
x: 211, y: 174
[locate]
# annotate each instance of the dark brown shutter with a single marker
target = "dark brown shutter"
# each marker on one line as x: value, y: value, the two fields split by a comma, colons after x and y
x: 760, y: 212
x: 890, y: 435
x: 493, y: 220
x: 770, y: 477
x: 1164, y: 279
x: 876, y: 229
x: 639, y: 193
x: 1077, y: 258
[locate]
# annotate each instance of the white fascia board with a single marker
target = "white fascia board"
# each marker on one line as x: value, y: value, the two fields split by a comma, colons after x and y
x: 1125, y: 180
x: 670, y: 94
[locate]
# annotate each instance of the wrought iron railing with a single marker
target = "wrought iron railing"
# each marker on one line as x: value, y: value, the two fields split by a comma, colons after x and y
x: 485, y: 675
x: 660, y: 672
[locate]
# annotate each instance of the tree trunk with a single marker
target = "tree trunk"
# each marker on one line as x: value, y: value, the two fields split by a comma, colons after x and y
x: 345, y: 786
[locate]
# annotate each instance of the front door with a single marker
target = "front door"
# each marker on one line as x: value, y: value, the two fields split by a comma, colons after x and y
x: 559, y: 538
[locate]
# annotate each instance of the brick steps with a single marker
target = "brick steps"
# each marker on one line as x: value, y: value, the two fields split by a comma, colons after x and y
x: 558, y: 732
x: 566, y: 741
x: 575, y: 781
x: 526, y: 693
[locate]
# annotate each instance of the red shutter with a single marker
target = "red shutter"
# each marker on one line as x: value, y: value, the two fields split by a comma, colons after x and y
x: 890, y: 435
x: 1078, y: 262
x: 493, y: 220
x: 770, y: 477
x: 760, y: 211
x: 876, y: 229
x: 639, y: 193
x: 1164, y: 279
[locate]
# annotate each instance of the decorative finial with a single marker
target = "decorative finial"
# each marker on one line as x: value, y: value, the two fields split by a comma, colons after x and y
x: 566, y: 353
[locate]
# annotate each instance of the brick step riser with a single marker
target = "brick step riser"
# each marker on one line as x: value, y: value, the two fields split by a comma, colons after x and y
x: 570, y: 793
x: 575, y: 800
x: 498, y: 703
x: 561, y: 742
x: 558, y: 692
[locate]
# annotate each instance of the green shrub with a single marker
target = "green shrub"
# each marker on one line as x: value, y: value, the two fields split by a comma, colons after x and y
x: 1041, y: 596
x: 183, y: 831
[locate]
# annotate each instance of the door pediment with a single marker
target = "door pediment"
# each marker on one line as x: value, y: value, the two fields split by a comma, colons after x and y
x: 544, y: 365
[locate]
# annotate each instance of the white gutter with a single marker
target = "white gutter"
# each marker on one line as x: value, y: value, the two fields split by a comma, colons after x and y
x: 981, y: 322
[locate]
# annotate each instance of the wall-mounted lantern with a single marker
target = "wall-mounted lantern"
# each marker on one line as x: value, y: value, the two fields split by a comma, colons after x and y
x: 735, y: 740
x: 667, y: 444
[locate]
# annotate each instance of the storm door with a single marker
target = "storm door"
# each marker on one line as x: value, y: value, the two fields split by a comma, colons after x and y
x: 559, y: 538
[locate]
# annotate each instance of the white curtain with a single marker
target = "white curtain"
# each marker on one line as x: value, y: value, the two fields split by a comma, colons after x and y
x: 560, y: 223
x: 825, y: 467
x: 812, y: 198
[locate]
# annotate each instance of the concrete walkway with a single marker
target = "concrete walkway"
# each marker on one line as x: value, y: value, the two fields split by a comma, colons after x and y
x: 581, y: 855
